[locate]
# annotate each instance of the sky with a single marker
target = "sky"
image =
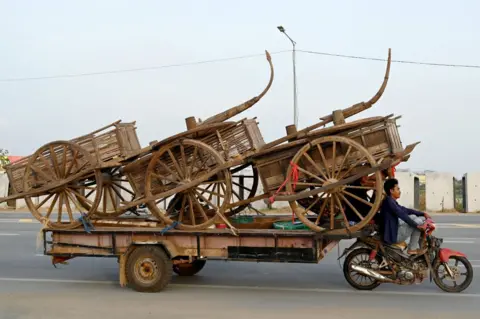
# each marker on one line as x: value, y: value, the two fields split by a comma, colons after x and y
x: 46, y: 38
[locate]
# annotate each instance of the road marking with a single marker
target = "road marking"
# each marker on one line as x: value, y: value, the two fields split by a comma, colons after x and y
x: 231, y: 287
x: 456, y: 226
x: 458, y: 242
x: 8, y: 234
x: 21, y: 220
x: 26, y: 220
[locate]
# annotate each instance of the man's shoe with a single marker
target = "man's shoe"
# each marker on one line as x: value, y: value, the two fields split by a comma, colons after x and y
x: 416, y: 251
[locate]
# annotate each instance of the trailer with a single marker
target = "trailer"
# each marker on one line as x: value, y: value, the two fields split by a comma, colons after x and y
x: 148, y: 253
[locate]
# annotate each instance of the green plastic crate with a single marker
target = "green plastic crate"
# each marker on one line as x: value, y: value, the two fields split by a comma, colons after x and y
x: 289, y: 225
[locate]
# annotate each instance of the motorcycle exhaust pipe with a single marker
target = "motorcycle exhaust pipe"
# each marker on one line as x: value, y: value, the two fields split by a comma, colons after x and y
x: 371, y: 273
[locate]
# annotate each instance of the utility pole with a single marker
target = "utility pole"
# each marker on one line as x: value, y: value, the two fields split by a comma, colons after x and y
x: 295, y: 108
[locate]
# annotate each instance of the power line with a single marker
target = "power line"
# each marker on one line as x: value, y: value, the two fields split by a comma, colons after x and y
x: 229, y: 59
x: 396, y: 61
x: 136, y: 69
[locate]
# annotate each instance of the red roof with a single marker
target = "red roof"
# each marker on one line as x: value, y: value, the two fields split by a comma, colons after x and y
x: 14, y: 158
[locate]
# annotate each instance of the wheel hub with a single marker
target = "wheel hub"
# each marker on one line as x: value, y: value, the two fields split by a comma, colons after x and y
x: 333, y: 190
x: 455, y: 273
x: 147, y: 269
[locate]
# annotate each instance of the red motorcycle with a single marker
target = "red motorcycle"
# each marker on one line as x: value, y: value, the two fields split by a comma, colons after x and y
x: 370, y: 262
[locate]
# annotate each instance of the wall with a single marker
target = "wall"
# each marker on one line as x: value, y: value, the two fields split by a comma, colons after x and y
x: 472, y: 189
x: 439, y: 191
x: 406, y: 181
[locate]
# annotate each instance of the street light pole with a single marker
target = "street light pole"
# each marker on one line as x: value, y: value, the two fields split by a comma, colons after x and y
x: 295, y: 109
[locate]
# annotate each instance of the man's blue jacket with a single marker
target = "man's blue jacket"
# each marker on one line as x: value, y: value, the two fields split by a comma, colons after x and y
x: 389, y: 214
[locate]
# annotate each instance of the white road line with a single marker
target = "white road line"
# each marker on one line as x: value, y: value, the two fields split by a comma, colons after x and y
x: 316, y: 290
x: 8, y: 234
x: 458, y: 242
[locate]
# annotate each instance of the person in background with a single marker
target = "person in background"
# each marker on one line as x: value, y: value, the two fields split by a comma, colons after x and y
x: 362, y: 208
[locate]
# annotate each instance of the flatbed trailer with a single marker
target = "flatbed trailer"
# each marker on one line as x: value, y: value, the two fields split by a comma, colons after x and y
x: 148, y: 256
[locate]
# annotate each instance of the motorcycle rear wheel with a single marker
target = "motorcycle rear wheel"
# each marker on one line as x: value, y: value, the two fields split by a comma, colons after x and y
x: 456, y: 288
x: 364, y: 254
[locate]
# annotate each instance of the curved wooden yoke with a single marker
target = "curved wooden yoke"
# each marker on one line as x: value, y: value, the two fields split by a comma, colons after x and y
x: 220, y: 117
x: 337, y: 116
x: 362, y: 106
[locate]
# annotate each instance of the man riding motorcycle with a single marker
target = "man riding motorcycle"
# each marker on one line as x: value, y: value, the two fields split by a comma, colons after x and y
x: 398, y: 223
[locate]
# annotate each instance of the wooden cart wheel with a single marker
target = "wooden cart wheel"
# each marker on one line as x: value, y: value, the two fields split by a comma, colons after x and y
x: 65, y: 171
x: 243, y: 191
x: 113, y: 182
x: 184, y: 165
x: 314, y: 163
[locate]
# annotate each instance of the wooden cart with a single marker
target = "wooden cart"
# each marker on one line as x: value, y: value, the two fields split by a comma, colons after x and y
x: 90, y: 174
x: 186, y: 179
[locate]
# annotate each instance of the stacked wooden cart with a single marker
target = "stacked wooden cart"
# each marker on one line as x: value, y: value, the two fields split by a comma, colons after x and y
x: 188, y: 179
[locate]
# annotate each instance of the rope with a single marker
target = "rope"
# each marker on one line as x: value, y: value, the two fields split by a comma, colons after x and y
x: 294, y: 178
x: 169, y: 227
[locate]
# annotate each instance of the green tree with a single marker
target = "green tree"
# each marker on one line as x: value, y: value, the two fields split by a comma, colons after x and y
x: 3, y: 157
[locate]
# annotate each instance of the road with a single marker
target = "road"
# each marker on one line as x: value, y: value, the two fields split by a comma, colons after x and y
x: 30, y: 287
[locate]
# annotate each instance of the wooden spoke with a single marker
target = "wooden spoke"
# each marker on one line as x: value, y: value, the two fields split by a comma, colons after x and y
x: 322, y: 208
x: 345, y: 220
x: 310, y: 174
x: 179, y: 171
x: 333, y: 158
x: 163, y: 177
x: 42, y: 173
x: 358, y: 198
x: 311, y: 205
x: 190, y: 208
x: 218, y: 194
x: 199, y: 207
x: 354, y: 209
x: 50, y: 209
x: 357, y: 162
x: 72, y: 162
x: 309, y: 184
x: 182, y: 210
x: 69, y: 209
x: 339, y: 149
x: 332, y: 213
x: 323, y: 159
x: 43, y: 201
x: 317, y: 168
x: 343, y: 161
x: 184, y: 162
x: 360, y: 187
x: 190, y: 160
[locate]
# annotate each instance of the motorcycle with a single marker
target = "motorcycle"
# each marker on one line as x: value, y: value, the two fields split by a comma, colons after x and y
x: 370, y: 262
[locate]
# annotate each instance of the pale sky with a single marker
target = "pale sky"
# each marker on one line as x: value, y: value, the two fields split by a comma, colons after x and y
x: 48, y: 38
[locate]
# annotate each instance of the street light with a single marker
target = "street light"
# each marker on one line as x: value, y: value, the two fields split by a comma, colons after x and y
x: 295, y: 116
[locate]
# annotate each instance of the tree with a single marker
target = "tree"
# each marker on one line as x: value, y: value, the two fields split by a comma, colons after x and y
x: 3, y: 157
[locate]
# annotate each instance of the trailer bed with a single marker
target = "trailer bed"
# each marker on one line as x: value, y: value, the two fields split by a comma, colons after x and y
x: 188, y: 247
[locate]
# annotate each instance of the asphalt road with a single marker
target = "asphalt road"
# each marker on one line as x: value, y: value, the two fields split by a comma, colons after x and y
x: 30, y: 287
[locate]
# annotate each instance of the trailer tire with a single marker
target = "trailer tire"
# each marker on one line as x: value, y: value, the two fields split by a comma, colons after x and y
x: 189, y: 269
x: 148, y: 269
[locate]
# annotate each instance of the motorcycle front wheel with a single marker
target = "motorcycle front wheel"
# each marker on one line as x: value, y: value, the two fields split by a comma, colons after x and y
x: 441, y: 276
x: 360, y: 257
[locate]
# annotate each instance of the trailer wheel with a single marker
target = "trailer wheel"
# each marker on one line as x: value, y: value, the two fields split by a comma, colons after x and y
x: 148, y: 269
x: 189, y: 269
